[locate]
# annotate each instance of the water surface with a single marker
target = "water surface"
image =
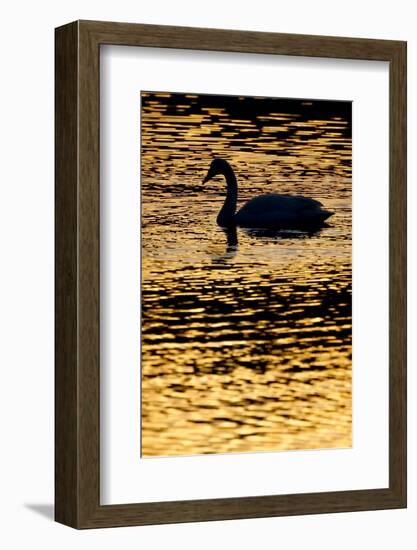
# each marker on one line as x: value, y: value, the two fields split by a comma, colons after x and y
x: 246, y: 337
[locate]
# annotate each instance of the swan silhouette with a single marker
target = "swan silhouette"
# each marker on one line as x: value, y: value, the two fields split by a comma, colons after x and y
x: 266, y: 211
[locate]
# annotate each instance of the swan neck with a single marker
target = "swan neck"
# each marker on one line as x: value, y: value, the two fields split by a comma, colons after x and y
x: 230, y: 178
x: 227, y: 213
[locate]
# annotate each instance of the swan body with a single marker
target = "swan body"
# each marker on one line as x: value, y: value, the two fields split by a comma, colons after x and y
x: 266, y: 211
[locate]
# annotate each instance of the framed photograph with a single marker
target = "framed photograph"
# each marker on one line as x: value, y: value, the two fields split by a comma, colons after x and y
x: 230, y: 274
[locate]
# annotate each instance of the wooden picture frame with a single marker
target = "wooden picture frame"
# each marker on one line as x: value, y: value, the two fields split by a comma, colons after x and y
x: 77, y: 404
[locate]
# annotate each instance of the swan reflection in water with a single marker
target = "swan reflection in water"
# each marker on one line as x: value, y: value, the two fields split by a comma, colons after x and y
x: 232, y: 239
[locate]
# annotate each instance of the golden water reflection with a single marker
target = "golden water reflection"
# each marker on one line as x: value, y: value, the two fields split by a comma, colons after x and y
x: 246, y: 337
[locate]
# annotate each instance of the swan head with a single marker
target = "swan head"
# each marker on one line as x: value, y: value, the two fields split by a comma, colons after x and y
x: 217, y: 166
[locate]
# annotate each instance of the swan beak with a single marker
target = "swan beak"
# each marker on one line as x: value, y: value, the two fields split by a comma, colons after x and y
x: 210, y: 174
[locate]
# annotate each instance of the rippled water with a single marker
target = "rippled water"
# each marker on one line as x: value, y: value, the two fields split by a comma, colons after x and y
x: 246, y: 336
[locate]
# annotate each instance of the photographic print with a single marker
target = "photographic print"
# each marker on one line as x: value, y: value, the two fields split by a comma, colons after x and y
x: 246, y: 274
